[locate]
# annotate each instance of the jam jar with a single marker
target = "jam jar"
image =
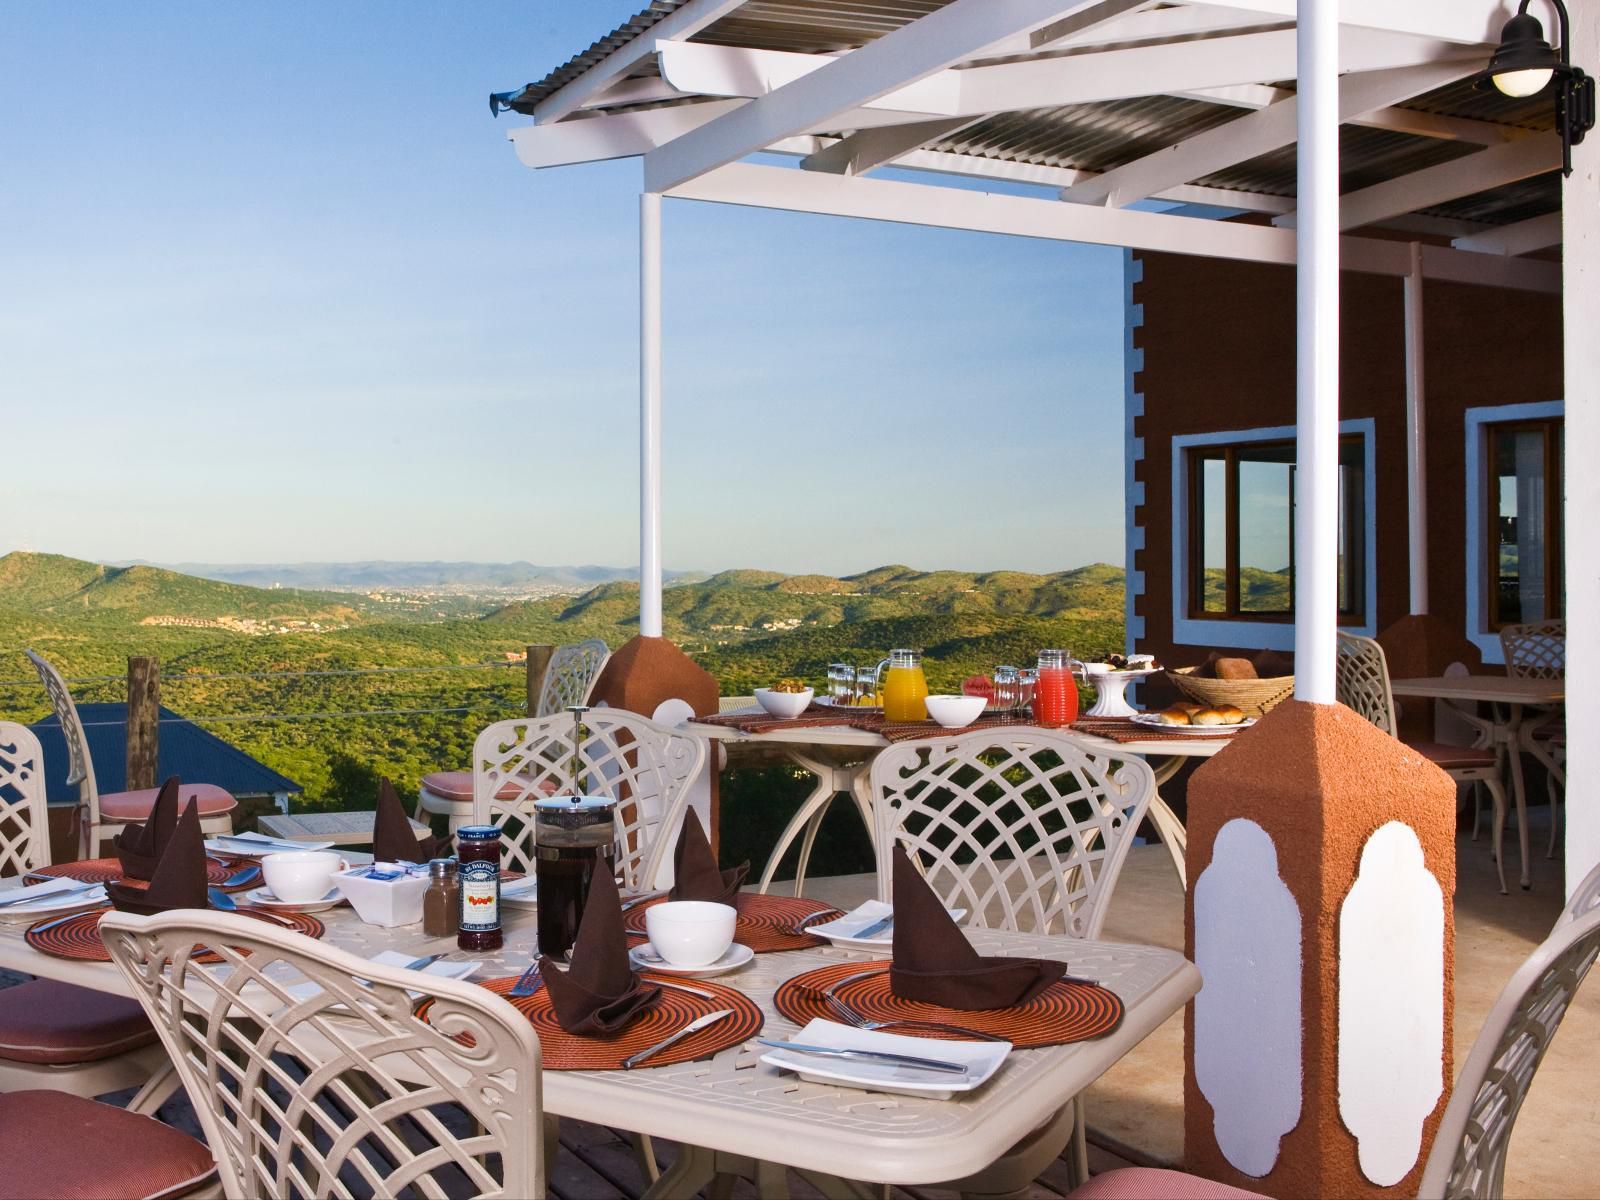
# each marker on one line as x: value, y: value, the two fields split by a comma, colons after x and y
x: 478, y: 873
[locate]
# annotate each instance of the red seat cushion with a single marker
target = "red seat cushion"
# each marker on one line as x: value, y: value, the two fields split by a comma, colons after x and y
x: 43, y: 1021
x: 117, y: 807
x: 1453, y: 758
x: 1148, y: 1183
x: 456, y: 787
x: 55, y: 1144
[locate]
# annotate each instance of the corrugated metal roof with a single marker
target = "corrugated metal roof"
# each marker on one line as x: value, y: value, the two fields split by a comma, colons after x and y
x: 1099, y: 137
x: 187, y: 751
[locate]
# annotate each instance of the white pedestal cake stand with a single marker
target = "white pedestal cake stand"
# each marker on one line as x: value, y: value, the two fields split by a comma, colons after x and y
x: 1110, y: 688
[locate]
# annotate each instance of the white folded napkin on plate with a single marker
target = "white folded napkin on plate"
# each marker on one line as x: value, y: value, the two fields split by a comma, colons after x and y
x: 41, y: 891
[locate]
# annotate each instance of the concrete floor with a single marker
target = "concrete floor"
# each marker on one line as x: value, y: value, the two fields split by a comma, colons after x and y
x: 1138, y: 1104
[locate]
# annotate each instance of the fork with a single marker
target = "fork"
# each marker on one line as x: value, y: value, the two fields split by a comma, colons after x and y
x: 801, y: 926
x: 528, y: 983
x: 852, y: 1017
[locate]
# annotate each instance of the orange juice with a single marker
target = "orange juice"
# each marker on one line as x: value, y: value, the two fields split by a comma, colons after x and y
x: 905, y: 689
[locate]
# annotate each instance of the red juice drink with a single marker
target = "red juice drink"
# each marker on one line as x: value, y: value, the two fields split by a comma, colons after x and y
x: 1055, y: 694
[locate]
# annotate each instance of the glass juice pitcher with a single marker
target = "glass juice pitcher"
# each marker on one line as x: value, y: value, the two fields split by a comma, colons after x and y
x: 1055, y: 692
x: 905, y: 688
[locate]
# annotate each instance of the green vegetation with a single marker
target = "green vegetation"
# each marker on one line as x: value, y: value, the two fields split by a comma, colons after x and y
x: 1259, y: 591
x: 746, y: 627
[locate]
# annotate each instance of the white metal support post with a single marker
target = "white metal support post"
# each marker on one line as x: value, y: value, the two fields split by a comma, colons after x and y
x: 1580, y: 207
x: 1416, y: 435
x: 650, y: 414
x: 1317, y: 354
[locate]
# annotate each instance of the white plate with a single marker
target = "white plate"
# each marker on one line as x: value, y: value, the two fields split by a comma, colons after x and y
x: 262, y: 897
x: 54, y: 904
x: 520, y: 893
x: 1153, y: 720
x: 841, y: 931
x: 644, y: 957
x: 983, y: 1059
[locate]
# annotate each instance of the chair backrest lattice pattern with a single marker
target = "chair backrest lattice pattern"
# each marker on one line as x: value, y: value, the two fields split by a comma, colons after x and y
x: 646, y: 767
x: 1026, y: 829
x: 1362, y: 681
x: 80, y: 767
x: 571, y: 675
x: 1537, y: 651
x: 24, y: 819
x: 1468, y: 1160
x: 312, y: 1077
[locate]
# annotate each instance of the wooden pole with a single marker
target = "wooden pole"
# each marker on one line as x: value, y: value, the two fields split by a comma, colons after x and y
x: 538, y: 667
x: 144, y: 722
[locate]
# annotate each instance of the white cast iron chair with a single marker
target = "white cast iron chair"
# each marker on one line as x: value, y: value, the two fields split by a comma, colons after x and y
x: 55, y: 1035
x: 336, y: 1088
x: 568, y: 680
x: 1539, y: 651
x: 102, y: 817
x: 1027, y: 829
x: 645, y: 766
x: 1363, y: 685
x: 1468, y: 1159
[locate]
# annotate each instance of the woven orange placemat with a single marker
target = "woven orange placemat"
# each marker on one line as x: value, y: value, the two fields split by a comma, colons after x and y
x: 78, y: 936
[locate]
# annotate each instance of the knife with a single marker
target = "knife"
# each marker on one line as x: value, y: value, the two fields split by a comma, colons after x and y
x: 58, y: 893
x: 875, y: 928
x: 898, y: 1060
x: 427, y: 960
x: 58, y: 921
x: 694, y: 1026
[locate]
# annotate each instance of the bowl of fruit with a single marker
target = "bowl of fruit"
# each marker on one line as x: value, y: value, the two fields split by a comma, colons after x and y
x: 787, y: 698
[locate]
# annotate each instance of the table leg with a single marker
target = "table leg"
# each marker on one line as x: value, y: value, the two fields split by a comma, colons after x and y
x: 832, y: 779
x: 1173, y: 835
x: 813, y: 809
x: 692, y: 1170
x: 1513, y: 739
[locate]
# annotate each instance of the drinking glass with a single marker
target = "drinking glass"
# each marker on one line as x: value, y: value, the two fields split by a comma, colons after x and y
x: 1027, y: 681
x: 867, y: 685
x: 1005, y: 688
x: 841, y: 682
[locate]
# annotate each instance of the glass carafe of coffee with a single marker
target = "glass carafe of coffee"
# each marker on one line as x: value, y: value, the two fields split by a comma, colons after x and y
x: 574, y: 836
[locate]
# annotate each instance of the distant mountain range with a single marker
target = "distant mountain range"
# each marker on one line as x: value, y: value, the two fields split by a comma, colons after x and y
x: 378, y: 574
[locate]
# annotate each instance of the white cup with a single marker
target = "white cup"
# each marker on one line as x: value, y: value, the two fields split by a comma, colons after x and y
x: 690, y: 933
x: 300, y: 876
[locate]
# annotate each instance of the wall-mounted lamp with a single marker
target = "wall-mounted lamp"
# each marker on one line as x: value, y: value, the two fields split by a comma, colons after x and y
x: 1525, y: 63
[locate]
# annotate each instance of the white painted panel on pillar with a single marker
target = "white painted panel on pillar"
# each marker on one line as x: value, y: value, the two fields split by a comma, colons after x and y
x: 1391, y: 1003
x: 1247, y: 1035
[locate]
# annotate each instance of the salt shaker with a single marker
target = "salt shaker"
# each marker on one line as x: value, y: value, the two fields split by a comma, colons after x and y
x: 441, y: 904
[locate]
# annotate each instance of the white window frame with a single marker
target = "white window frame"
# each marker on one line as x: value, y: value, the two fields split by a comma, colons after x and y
x: 1261, y: 635
x: 1478, y: 632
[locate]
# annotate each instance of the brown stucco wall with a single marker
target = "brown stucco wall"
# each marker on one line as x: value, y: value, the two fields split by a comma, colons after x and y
x: 1219, y: 354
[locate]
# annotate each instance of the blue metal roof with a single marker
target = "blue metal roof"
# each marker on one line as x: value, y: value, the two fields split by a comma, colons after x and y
x: 186, y: 750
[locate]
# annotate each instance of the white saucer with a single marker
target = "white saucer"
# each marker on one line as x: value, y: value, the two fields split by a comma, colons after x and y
x: 520, y: 893
x: 262, y: 897
x: 643, y: 957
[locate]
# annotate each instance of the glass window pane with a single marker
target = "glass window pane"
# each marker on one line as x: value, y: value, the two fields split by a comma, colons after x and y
x: 1266, y: 508
x: 1520, y: 542
x: 1213, y: 525
x: 1352, y: 528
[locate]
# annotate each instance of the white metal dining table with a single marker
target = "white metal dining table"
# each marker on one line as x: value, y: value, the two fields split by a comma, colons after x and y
x: 840, y: 758
x: 1510, y: 699
x: 730, y: 1109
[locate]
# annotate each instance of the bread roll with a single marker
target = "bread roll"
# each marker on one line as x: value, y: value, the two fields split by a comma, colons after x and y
x: 1176, y: 715
x: 1207, y: 716
x: 1232, y: 714
x: 1189, y: 706
x: 1236, y: 668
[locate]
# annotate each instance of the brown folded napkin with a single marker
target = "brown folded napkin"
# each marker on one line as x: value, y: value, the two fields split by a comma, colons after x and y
x: 695, y: 874
x: 934, y: 962
x: 179, y: 880
x: 139, y: 847
x: 393, y: 839
x: 600, y: 993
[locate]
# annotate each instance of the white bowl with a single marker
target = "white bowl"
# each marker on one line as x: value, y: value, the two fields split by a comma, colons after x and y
x: 385, y: 902
x: 783, y: 704
x: 300, y: 876
x: 955, y: 712
x: 690, y: 933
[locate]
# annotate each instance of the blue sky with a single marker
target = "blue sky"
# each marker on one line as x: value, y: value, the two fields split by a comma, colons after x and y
x: 273, y: 287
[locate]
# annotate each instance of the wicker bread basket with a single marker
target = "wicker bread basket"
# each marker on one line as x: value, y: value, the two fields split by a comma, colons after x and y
x: 1254, y: 697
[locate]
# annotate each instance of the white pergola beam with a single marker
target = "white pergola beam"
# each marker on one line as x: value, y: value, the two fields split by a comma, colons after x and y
x: 1468, y: 22
x: 912, y: 53
x: 786, y: 189
x: 1161, y: 25
x: 686, y: 22
x: 1536, y: 233
x: 1251, y: 136
x: 1465, y: 176
x: 621, y: 135
x: 869, y: 148
x: 1397, y: 120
